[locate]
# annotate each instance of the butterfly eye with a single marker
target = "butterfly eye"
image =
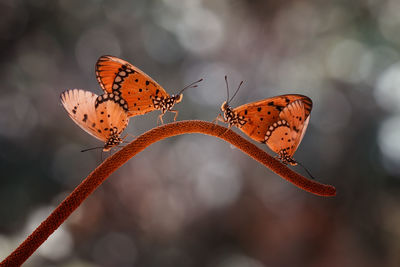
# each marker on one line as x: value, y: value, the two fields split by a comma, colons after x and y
x: 178, y: 98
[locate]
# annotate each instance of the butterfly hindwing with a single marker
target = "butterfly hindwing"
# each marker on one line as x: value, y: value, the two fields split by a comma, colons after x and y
x: 101, y: 121
x: 295, y: 115
x: 110, y: 117
x: 133, y: 85
x: 279, y: 137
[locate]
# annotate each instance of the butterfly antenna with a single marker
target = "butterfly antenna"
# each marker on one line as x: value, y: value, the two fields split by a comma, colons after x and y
x: 227, y: 89
x: 237, y: 90
x: 192, y: 85
x: 93, y: 148
x: 312, y: 177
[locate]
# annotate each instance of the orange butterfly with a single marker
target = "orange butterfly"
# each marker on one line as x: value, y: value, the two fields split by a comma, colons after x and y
x: 104, y: 117
x: 141, y: 93
x: 280, y: 121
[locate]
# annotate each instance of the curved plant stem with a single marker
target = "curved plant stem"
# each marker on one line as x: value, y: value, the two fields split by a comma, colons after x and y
x: 62, y: 212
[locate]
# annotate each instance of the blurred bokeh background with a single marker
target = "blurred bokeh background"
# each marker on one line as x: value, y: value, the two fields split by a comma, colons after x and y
x: 194, y: 200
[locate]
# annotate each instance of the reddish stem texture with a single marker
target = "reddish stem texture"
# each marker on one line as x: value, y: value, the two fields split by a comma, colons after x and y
x: 64, y: 210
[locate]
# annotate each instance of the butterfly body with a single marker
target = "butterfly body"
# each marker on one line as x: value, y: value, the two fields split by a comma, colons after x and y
x: 104, y: 117
x: 280, y: 122
x: 140, y: 92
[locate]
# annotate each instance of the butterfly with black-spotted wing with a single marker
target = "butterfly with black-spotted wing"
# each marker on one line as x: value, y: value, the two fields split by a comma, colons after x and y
x: 280, y: 121
x: 141, y: 93
x: 105, y: 119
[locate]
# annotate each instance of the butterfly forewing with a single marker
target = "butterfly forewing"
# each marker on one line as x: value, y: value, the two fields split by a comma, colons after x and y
x: 98, y: 121
x: 137, y: 88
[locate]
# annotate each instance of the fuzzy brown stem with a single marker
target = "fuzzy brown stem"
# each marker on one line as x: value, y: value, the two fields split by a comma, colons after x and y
x: 98, y: 176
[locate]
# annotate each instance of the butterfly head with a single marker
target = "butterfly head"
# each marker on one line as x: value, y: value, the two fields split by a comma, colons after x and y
x: 177, y: 98
x: 229, y: 115
x: 226, y: 110
x: 225, y: 106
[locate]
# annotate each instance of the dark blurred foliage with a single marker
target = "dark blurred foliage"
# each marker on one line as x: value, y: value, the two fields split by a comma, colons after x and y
x: 194, y: 200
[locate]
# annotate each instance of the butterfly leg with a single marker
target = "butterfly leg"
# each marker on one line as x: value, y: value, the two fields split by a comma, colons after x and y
x: 176, y: 113
x: 102, y: 156
x: 160, y: 120
x: 228, y: 128
x: 126, y: 135
x: 218, y: 118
